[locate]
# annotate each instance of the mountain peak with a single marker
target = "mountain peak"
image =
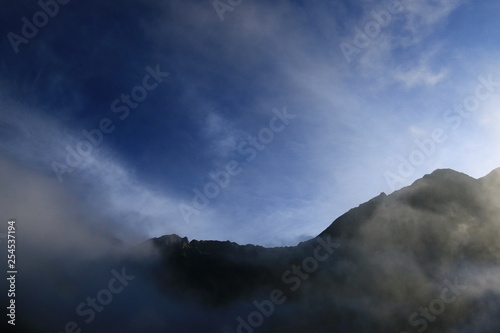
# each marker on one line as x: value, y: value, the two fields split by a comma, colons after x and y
x: 446, y: 173
x: 170, y: 240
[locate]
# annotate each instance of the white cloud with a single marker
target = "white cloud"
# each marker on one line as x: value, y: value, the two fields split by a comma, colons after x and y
x: 420, y: 75
x: 406, y: 31
x: 423, y: 17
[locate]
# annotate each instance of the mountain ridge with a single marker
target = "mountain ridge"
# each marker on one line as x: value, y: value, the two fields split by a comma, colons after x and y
x: 444, y: 175
x: 395, y: 253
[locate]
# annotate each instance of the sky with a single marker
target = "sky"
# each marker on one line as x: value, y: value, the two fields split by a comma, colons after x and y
x: 254, y: 122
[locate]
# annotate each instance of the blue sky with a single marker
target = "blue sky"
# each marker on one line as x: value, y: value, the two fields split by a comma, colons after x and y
x: 358, y: 124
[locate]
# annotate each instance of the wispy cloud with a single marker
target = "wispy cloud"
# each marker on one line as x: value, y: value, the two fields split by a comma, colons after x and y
x: 226, y: 77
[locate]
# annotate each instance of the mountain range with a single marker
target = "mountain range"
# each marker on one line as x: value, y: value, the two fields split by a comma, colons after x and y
x: 424, y: 258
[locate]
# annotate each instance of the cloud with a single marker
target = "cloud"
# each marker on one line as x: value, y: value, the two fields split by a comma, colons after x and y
x: 221, y: 134
x: 119, y: 201
x: 226, y: 77
x: 420, y: 75
x: 48, y: 216
x: 408, y: 34
x: 424, y: 17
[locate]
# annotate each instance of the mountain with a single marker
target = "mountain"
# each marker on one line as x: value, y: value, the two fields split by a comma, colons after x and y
x: 424, y: 258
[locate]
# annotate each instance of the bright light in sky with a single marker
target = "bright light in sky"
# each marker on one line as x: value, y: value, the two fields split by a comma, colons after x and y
x: 259, y: 124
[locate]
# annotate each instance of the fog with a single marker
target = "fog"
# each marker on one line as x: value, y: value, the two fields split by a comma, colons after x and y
x: 398, y: 254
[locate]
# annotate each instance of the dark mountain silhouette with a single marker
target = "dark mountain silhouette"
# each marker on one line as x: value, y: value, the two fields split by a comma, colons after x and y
x: 424, y: 258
